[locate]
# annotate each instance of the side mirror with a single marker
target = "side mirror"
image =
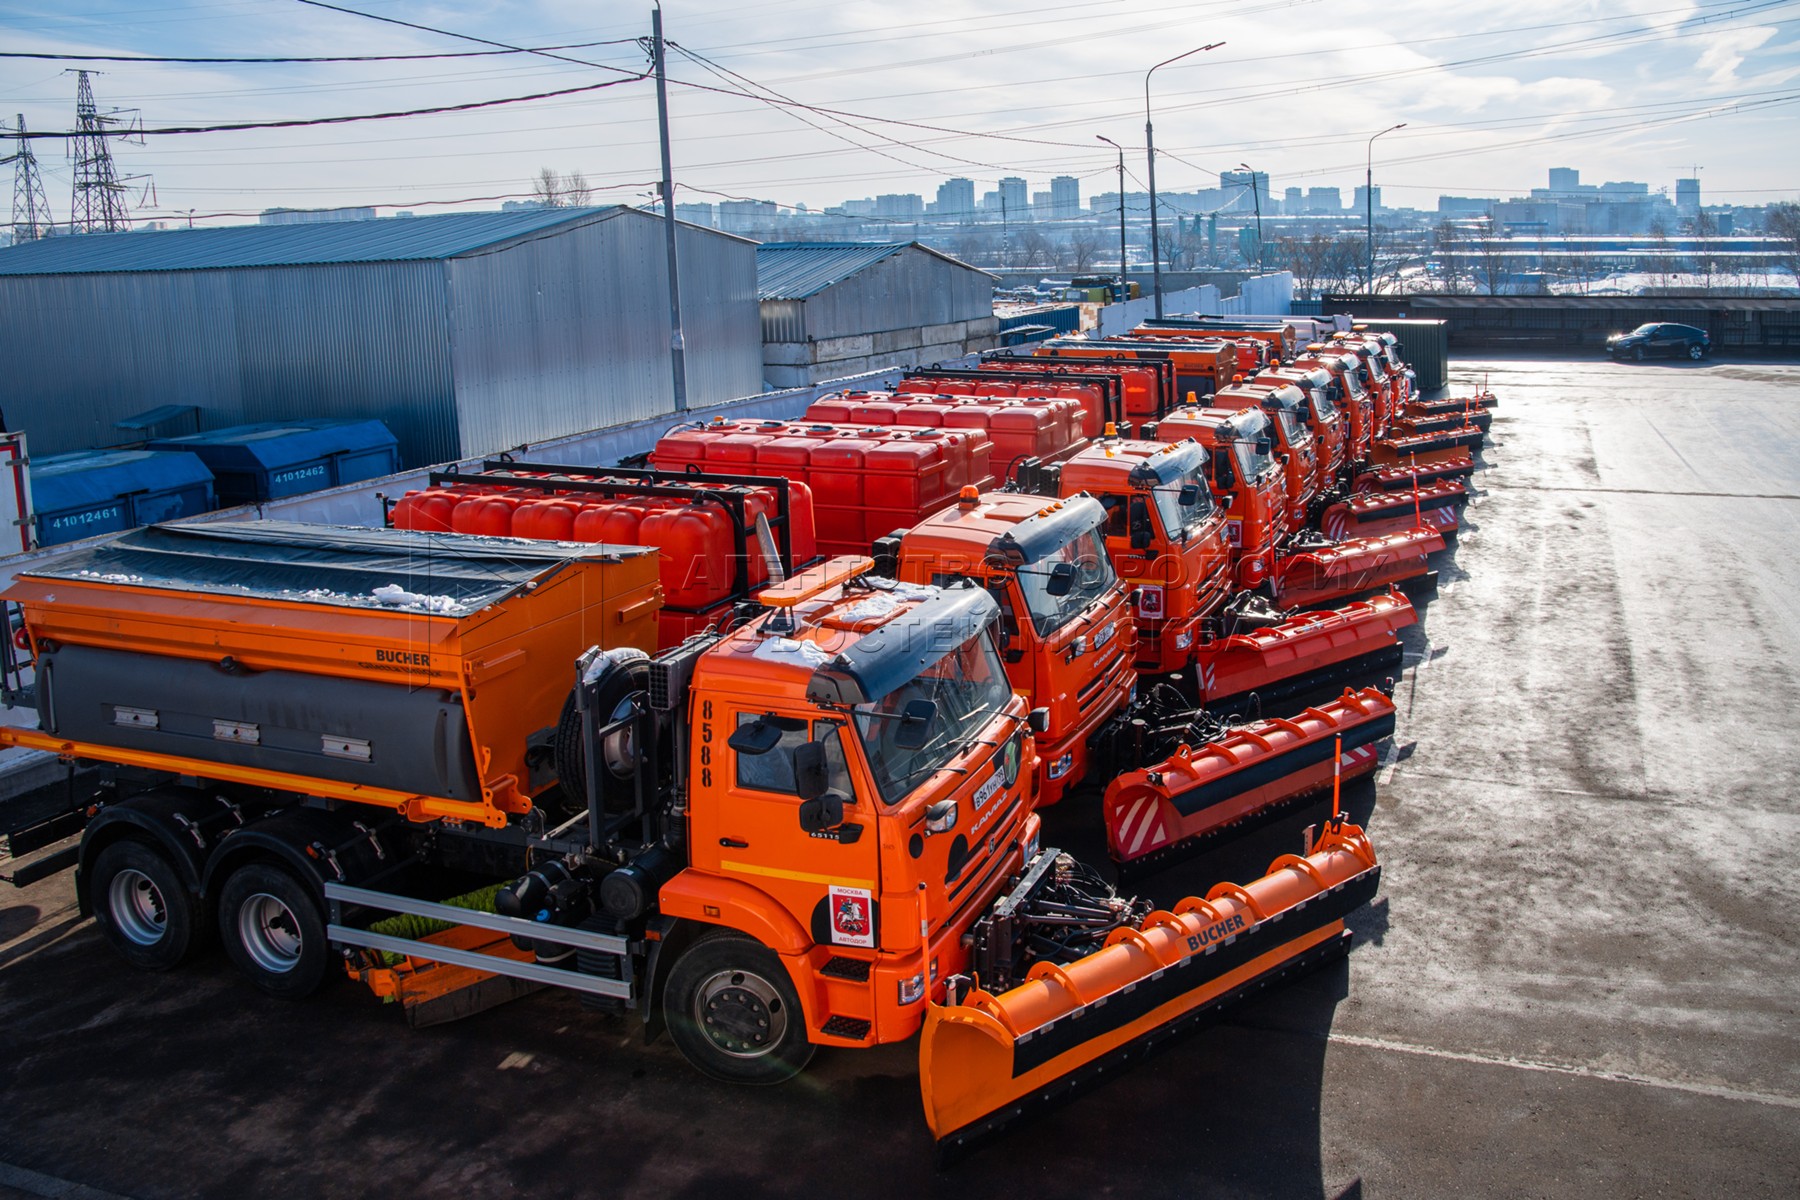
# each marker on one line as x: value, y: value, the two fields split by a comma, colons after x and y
x: 1062, y: 579
x: 1264, y: 445
x: 1142, y: 535
x: 758, y: 737
x: 1189, y: 495
x: 822, y: 812
x: 915, y: 723
x: 1039, y: 720
x: 811, y: 777
x: 1224, y: 473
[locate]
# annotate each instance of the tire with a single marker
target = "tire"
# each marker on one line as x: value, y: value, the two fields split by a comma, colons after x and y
x: 1696, y: 352
x: 273, y: 931
x: 623, y: 680
x: 144, y: 909
x: 1637, y: 353
x: 733, y: 1013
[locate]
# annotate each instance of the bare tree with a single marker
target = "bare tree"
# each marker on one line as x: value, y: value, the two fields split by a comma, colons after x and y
x: 1449, y: 254
x: 1661, y: 263
x: 561, y: 191
x: 1783, y: 225
x: 1703, y: 227
x: 1084, y: 247
x: 1490, y: 256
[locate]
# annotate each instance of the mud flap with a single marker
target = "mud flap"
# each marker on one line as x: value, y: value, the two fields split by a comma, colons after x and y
x: 1172, y: 809
x: 988, y: 1061
x: 1334, y: 572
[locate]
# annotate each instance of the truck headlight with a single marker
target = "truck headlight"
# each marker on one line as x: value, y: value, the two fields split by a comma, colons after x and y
x: 912, y: 990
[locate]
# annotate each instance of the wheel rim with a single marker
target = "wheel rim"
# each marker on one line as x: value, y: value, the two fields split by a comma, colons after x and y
x: 269, y: 933
x: 740, y: 1013
x: 1693, y: 352
x: 619, y: 748
x: 137, y: 907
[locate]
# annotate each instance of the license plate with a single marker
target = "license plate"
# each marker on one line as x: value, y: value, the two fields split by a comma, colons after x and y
x: 986, y: 791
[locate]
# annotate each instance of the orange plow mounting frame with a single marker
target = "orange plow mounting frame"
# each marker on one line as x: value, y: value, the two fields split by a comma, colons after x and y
x: 1410, y: 424
x: 1173, y: 808
x: 1330, y: 573
x: 990, y: 1060
x: 1368, y: 514
x: 1481, y: 402
x: 1397, y: 477
x: 1285, y: 659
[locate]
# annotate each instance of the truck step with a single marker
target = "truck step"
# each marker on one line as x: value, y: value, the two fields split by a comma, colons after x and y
x: 854, y: 1028
x: 854, y: 969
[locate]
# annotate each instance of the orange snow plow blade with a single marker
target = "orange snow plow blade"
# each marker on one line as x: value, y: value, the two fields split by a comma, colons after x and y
x: 1368, y: 514
x: 1397, y: 477
x: 1306, y: 652
x: 986, y: 1060
x: 1174, y: 808
x: 1331, y: 572
x: 1410, y: 424
x: 1425, y: 447
x: 1480, y: 402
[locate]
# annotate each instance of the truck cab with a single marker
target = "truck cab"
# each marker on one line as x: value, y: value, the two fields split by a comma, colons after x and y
x: 1295, y: 446
x: 1329, y: 425
x: 1067, y: 635
x: 1353, y: 396
x: 859, y: 774
x: 1166, y: 536
x: 1246, y: 479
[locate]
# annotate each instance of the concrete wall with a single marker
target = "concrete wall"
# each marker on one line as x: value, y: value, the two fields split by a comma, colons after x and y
x: 802, y: 364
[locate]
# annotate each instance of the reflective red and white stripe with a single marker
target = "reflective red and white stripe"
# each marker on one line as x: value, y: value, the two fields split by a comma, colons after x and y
x: 1141, y: 829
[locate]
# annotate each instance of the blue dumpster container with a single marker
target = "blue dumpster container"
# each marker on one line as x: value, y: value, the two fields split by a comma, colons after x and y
x: 91, y: 492
x: 273, y: 459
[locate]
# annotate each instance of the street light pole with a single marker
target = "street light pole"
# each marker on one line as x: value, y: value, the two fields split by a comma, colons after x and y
x: 1369, y: 202
x: 1256, y: 198
x: 1124, y: 283
x: 1150, y: 152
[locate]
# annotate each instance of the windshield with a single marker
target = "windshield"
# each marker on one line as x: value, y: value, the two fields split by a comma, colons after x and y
x: 1324, y: 411
x: 1642, y: 329
x: 1375, y: 366
x: 1353, y: 384
x: 1093, y: 576
x: 1393, y: 357
x: 1252, y: 463
x: 966, y: 688
x: 1178, y: 519
x: 1293, y: 433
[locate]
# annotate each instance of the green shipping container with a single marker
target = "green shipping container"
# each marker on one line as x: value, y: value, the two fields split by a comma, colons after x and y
x: 1425, y: 345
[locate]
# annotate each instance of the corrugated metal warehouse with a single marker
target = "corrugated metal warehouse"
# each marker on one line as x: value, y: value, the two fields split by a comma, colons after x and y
x: 832, y: 309
x: 467, y: 333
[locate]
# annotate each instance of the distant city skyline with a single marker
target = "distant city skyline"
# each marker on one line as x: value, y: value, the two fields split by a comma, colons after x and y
x: 801, y: 103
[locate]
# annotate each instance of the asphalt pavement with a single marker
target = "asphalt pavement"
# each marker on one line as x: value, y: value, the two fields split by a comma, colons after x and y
x: 1580, y: 977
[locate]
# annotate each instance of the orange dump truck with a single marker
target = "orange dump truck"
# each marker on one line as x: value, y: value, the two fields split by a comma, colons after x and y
x: 816, y: 830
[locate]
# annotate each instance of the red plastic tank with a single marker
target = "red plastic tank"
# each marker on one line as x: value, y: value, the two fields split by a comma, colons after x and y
x: 428, y: 511
x: 485, y: 516
x: 546, y: 520
x: 696, y: 544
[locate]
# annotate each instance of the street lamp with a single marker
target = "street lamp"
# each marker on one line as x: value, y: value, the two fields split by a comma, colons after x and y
x: 1124, y: 284
x: 1369, y: 201
x: 1150, y: 152
x: 1256, y: 195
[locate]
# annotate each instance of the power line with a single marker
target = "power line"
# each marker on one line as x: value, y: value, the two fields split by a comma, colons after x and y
x: 326, y: 58
x: 308, y: 122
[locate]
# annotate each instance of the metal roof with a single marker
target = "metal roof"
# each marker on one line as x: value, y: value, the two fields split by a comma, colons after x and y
x: 387, y: 239
x: 797, y: 270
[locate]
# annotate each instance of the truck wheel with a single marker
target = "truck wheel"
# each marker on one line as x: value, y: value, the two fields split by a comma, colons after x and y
x: 733, y: 1012
x: 272, y: 930
x: 143, y: 908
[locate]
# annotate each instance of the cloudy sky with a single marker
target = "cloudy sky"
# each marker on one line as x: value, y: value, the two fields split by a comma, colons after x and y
x: 804, y: 102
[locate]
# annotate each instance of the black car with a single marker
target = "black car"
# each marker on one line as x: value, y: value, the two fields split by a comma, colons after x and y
x: 1661, y: 339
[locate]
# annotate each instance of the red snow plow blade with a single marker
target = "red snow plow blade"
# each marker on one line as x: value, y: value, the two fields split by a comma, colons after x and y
x: 1450, y: 422
x: 1425, y: 447
x: 1401, y: 476
x: 1173, y: 808
x: 987, y: 1060
x: 1307, y: 651
x: 1485, y: 402
x: 1324, y: 574
x: 1433, y: 506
